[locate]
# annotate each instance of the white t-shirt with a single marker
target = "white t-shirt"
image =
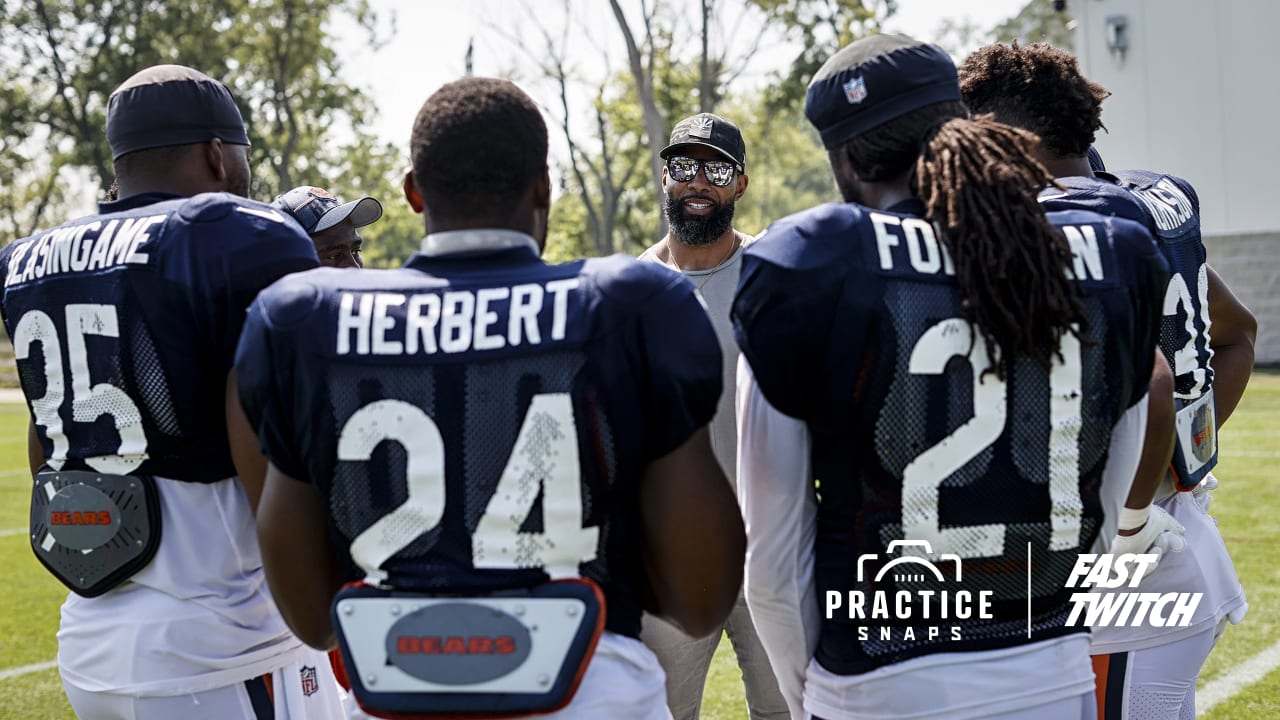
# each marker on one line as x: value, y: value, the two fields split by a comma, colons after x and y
x: 716, y: 286
x: 199, y: 616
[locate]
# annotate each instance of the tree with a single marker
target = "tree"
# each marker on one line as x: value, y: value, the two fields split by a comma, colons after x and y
x: 641, y: 62
x: 1038, y: 21
x: 786, y: 163
x: 35, y: 187
x: 604, y: 157
x: 376, y: 168
x: 659, y: 58
x: 959, y: 37
x: 613, y: 161
x: 70, y: 55
x: 287, y: 75
x: 818, y: 28
x: 64, y: 57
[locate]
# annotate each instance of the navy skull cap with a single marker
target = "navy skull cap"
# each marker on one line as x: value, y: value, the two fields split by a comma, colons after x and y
x: 166, y: 105
x: 874, y: 80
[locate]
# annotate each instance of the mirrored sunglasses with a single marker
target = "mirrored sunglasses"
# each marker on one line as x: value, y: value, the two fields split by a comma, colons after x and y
x: 684, y: 169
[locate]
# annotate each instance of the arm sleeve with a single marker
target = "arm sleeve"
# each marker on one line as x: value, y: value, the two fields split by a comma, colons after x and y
x: 684, y: 373
x: 779, y: 507
x: 1123, y: 456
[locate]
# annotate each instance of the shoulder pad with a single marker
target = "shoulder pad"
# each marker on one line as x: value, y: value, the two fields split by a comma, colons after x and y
x: 626, y: 280
x: 212, y: 207
x: 294, y: 298
x: 810, y: 239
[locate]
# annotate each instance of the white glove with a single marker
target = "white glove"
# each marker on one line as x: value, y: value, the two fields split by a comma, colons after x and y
x: 1201, y: 491
x: 1160, y: 534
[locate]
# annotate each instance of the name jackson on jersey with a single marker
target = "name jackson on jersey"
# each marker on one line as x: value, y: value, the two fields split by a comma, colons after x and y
x: 1170, y: 208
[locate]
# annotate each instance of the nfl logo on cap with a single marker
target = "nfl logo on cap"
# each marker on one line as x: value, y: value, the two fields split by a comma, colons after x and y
x: 855, y: 91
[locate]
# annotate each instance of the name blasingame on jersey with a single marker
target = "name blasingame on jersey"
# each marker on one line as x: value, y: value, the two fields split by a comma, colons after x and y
x: 915, y: 237
x: 451, y: 321
x: 82, y: 248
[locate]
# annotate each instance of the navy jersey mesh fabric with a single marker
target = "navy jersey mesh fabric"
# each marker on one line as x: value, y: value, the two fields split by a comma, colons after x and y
x: 852, y: 322
x: 125, y: 325
x: 619, y: 362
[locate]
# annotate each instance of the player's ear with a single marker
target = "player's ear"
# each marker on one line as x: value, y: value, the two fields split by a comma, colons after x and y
x: 742, y: 186
x: 542, y: 191
x: 214, y: 157
x: 411, y: 192
x: 664, y: 181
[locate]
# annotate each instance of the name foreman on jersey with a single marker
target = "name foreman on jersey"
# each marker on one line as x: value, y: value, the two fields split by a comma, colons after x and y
x: 452, y: 320
x: 906, y: 241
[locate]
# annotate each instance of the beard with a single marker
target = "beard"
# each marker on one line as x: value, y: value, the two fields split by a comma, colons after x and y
x: 693, y: 230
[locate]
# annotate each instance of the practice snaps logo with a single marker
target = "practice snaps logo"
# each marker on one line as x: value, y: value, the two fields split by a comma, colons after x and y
x: 1100, y: 605
x: 925, y: 595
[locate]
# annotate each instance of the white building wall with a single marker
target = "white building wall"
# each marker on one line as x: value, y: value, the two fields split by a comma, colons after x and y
x: 1196, y: 95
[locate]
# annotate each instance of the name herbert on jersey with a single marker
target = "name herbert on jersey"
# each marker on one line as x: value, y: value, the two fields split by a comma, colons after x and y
x: 452, y: 321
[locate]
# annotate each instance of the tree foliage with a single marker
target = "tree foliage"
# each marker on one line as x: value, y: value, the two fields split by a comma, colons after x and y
x: 818, y: 28
x: 1038, y: 21
x: 611, y: 100
x: 62, y: 59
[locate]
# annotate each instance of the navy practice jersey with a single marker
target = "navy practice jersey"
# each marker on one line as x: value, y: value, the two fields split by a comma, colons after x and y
x: 482, y: 422
x: 1173, y: 211
x: 124, y: 325
x: 851, y: 320
x: 1170, y: 209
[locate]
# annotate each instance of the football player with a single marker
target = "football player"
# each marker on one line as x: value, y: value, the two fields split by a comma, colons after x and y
x: 331, y: 223
x: 502, y: 447
x: 1143, y: 671
x: 124, y: 326
x: 960, y: 373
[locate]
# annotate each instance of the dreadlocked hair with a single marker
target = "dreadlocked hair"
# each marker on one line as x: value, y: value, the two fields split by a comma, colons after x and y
x: 978, y: 181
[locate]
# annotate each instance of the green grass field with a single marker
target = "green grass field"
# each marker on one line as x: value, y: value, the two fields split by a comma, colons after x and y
x: 1245, y: 506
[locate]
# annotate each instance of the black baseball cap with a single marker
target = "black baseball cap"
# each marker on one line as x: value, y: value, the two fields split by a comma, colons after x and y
x: 317, y: 209
x: 166, y: 105
x: 712, y: 131
x: 874, y: 80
